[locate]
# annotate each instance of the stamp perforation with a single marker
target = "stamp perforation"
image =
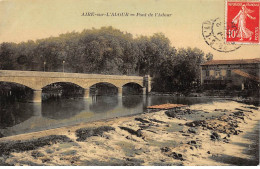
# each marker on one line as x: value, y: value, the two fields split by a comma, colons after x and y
x: 247, y: 32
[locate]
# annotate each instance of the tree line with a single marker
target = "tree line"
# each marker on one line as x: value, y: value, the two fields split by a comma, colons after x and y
x: 108, y: 51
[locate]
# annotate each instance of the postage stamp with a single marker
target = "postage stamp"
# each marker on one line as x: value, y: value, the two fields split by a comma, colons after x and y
x: 242, y: 22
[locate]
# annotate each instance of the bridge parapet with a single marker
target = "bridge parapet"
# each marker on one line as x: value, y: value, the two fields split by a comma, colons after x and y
x: 14, y: 73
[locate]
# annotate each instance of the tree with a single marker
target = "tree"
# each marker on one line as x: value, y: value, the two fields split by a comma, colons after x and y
x: 152, y: 52
x: 209, y: 56
x: 185, y: 69
x: 109, y: 51
x: 7, y: 53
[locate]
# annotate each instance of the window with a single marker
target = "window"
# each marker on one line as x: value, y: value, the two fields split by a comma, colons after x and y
x: 223, y: 72
x: 207, y: 73
x: 217, y: 73
x: 229, y: 73
x: 211, y: 72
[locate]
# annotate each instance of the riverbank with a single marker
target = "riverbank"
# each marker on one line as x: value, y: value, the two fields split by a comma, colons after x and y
x: 217, y: 133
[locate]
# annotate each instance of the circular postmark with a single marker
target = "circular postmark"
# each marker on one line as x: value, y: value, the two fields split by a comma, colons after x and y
x: 214, y: 36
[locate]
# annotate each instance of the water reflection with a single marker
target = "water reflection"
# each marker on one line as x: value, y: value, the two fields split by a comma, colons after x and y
x: 62, y: 108
x: 20, y: 117
x: 103, y: 104
x: 154, y: 100
x: 13, y: 113
x: 132, y: 101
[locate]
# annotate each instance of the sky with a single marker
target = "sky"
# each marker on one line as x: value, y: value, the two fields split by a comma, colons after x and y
x: 23, y: 20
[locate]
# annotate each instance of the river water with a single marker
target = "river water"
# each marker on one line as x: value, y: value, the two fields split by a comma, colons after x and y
x: 23, y: 117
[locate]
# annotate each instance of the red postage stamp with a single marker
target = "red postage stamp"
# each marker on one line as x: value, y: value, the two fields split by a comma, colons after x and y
x: 242, y: 22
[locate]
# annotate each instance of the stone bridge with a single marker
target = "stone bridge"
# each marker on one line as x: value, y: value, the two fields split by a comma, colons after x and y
x: 38, y: 80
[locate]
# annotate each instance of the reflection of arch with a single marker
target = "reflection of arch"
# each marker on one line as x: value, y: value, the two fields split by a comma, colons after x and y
x: 101, y: 104
x: 132, y: 101
x: 62, y: 109
x: 102, y: 88
x: 14, y: 113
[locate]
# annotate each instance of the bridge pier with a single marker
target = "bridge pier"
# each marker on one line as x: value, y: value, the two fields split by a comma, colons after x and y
x: 147, y: 83
x: 86, y: 93
x: 37, y: 96
x: 144, y: 90
x: 37, y: 109
x: 120, y: 91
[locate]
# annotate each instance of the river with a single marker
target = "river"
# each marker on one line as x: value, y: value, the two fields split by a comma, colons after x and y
x: 18, y: 117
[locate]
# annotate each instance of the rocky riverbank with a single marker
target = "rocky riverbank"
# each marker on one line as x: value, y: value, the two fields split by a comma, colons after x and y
x: 219, y: 133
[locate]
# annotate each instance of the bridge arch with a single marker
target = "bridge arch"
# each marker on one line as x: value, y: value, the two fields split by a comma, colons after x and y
x: 103, y: 88
x: 136, y: 83
x: 63, y: 82
x: 26, y: 84
x: 48, y: 83
x: 62, y: 89
x: 11, y: 91
x: 100, y: 81
x: 132, y: 88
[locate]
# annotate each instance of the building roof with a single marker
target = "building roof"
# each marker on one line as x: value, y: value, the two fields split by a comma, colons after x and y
x: 232, y: 62
x: 246, y: 75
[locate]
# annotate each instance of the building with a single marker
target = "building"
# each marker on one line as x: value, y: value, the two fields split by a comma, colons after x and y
x: 231, y: 74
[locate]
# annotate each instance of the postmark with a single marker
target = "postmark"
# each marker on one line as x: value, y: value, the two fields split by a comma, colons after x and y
x: 242, y: 22
x: 214, y: 35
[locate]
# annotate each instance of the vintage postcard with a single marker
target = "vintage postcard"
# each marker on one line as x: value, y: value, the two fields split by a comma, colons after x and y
x: 129, y: 82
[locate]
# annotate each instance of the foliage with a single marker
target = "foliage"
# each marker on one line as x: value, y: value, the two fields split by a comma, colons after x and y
x: 180, y: 71
x: 108, y: 51
x: 209, y: 56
